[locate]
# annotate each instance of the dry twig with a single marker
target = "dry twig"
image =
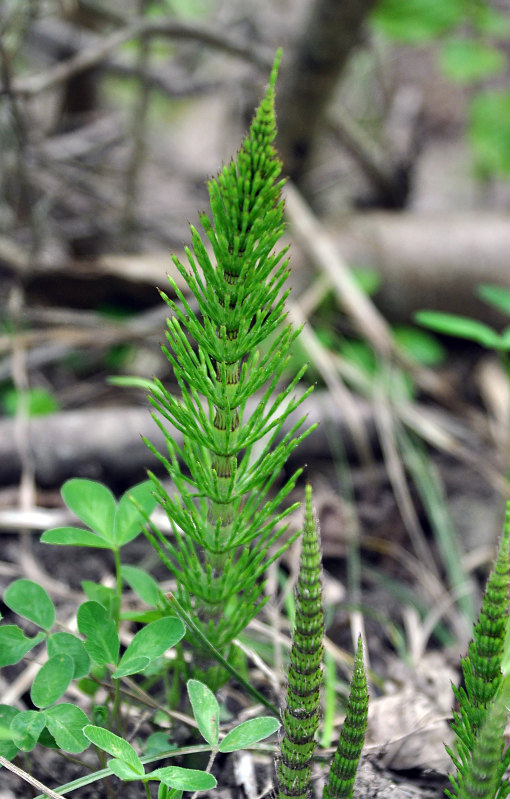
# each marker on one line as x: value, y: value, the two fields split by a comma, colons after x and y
x: 138, y: 29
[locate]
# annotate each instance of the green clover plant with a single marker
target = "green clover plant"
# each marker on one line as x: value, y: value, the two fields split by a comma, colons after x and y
x: 66, y: 727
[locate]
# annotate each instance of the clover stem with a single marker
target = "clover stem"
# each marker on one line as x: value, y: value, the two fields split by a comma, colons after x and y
x: 118, y: 588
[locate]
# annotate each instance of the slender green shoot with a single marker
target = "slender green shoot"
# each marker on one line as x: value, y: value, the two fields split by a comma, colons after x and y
x: 301, y: 715
x: 483, y: 678
x: 350, y: 744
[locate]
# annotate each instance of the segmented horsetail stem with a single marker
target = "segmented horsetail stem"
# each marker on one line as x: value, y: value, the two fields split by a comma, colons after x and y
x: 350, y: 744
x: 482, y: 667
x: 481, y: 777
x: 301, y: 715
x: 483, y: 678
x: 241, y: 187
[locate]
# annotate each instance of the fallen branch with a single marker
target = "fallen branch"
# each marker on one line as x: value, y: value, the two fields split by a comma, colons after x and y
x: 51, y: 37
x: 139, y: 29
x: 106, y: 443
x: 316, y: 241
x: 371, y: 324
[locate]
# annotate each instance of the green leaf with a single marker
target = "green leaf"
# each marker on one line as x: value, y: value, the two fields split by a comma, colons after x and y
x: 164, y: 792
x: 423, y: 347
x: 74, y: 537
x: 361, y: 354
x: 468, y: 60
x: 416, y: 21
x: 248, y: 733
x: 157, y: 742
x: 8, y: 749
x: 205, y: 709
x: 100, y: 715
x: 46, y: 739
x: 142, y: 584
x: 368, y: 280
x: 141, y: 616
x: 460, y: 326
x: 103, y: 595
x: 68, y: 644
x: 490, y: 22
x: 505, y: 338
x: 31, y: 601
x: 149, y: 643
x: 89, y: 685
x: 186, y: 779
x: 115, y: 746
x: 14, y: 644
x: 93, y: 503
x: 102, y: 642
x: 134, y: 665
x: 26, y: 728
x: 38, y: 401
x: 489, y: 132
x: 123, y: 771
x: 128, y: 381
x: 497, y: 296
x: 52, y: 680
x: 128, y: 521
x: 66, y: 722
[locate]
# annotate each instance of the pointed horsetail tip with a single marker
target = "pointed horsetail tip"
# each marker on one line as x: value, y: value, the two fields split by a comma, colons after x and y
x: 275, y: 68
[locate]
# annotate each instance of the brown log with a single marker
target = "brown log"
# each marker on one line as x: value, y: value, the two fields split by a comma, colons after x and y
x: 106, y: 443
x: 425, y: 261
x: 430, y: 260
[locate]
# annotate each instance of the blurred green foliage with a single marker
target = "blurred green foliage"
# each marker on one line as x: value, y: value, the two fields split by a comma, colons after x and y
x: 469, y: 35
x: 38, y: 401
x: 489, y: 132
x: 417, y: 21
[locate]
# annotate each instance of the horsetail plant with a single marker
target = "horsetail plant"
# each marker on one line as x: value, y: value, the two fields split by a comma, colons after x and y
x: 344, y: 767
x: 482, y: 701
x: 481, y: 775
x: 301, y: 715
x: 225, y: 527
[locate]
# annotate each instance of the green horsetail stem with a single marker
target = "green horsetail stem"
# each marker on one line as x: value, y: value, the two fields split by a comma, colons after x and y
x: 301, y: 714
x: 481, y: 669
x: 344, y: 767
x: 482, y: 774
x: 227, y: 344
